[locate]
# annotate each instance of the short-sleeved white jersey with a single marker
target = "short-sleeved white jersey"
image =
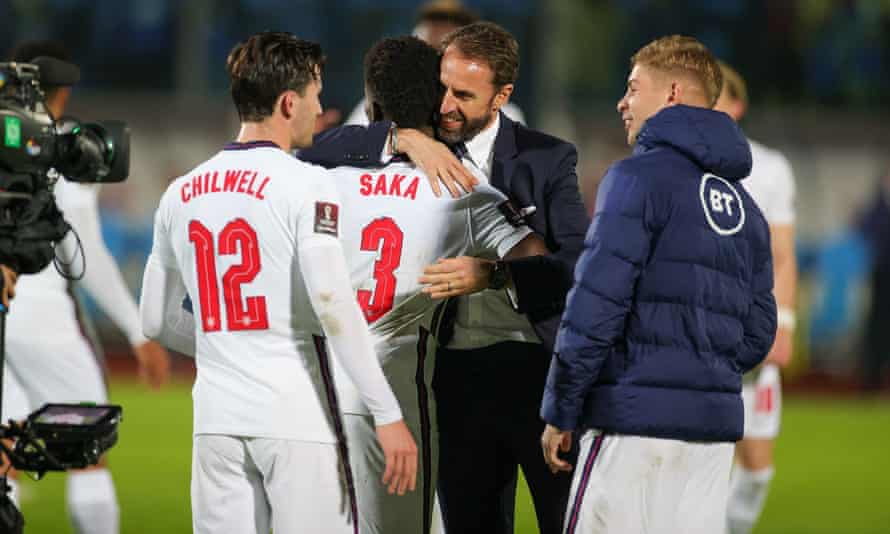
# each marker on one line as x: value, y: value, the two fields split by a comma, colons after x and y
x: 771, y: 184
x: 232, y: 227
x: 393, y: 227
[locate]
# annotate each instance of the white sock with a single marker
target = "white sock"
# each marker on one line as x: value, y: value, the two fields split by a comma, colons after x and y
x: 747, y: 496
x: 14, y: 491
x: 92, y: 503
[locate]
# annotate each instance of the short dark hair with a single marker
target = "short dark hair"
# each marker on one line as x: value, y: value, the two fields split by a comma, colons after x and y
x: 28, y: 50
x: 486, y: 41
x: 447, y: 12
x: 56, y: 69
x: 402, y: 74
x: 268, y: 64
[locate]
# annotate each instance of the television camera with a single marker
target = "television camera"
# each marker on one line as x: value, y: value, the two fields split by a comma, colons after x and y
x: 36, y: 150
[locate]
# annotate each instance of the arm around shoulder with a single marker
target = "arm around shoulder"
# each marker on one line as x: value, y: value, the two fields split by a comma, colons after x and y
x: 352, y: 145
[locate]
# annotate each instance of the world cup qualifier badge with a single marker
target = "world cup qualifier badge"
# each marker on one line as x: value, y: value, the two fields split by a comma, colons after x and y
x: 327, y: 218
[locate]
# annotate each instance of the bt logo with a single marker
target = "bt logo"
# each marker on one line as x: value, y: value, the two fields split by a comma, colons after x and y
x: 719, y: 200
x: 722, y: 205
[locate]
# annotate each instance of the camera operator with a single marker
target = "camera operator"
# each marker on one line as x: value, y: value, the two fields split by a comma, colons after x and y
x: 49, y: 357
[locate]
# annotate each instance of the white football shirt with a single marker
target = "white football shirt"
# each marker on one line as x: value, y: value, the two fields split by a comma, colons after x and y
x: 771, y: 184
x: 393, y: 227
x: 232, y: 227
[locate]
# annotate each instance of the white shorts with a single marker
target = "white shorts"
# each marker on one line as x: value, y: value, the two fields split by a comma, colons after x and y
x: 249, y: 485
x: 53, y: 363
x: 763, y: 404
x: 635, y: 485
x: 378, y: 511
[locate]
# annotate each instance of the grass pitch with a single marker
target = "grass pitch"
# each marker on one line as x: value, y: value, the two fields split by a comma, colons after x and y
x: 832, y: 476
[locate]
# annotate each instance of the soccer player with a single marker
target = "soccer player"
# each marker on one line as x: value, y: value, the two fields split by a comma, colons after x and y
x: 771, y: 185
x: 252, y: 236
x: 672, y: 303
x: 394, y: 226
x: 64, y: 366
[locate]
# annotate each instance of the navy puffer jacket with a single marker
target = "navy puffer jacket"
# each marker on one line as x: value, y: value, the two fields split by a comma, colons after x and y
x: 672, y: 300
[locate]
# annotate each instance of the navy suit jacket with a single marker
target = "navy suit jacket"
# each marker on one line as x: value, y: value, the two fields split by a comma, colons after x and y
x: 532, y: 169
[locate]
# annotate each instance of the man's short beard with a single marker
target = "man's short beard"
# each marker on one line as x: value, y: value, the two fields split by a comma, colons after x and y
x: 469, y: 129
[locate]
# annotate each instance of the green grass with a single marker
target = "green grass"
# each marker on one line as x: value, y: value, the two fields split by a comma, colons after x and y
x: 150, y: 464
x: 833, y: 469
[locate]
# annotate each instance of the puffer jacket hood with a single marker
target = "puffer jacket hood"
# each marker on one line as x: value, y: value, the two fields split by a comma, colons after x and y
x: 710, y: 138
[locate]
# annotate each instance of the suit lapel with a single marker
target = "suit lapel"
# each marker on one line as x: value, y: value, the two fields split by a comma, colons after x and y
x: 504, y: 159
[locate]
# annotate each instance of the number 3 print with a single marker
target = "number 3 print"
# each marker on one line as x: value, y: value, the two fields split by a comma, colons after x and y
x: 385, y: 236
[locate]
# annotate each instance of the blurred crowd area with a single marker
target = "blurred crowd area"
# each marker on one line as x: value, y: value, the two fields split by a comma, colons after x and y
x: 817, y: 72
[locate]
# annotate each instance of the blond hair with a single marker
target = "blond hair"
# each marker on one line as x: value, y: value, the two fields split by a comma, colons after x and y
x: 734, y: 84
x: 685, y: 55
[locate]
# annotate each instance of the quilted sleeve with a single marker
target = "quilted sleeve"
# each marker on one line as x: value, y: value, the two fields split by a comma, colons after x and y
x: 615, y: 249
x: 760, y: 323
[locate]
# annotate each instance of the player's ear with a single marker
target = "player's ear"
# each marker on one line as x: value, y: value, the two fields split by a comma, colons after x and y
x: 286, y: 104
x: 502, y: 96
x: 739, y: 110
x: 675, y: 95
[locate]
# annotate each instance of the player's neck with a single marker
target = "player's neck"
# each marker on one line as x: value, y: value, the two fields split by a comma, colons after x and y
x: 264, y: 131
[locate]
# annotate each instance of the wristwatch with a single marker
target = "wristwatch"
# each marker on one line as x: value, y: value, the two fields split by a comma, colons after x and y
x: 499, y: 275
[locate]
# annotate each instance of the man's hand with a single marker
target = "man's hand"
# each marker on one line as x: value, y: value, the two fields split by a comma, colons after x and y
x: 781, y: 352
x: 453, y: 277
x: 437, y: 161
x: 554, y: 440
x: 9, y: 279
x: 154, y: 363
x: 400, y: 452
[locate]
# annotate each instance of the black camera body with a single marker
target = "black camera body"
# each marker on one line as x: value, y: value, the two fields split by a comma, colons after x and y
x: 33, y: 142
x: 56, y: 437
x: 59, y: 437
x: 35, y: 151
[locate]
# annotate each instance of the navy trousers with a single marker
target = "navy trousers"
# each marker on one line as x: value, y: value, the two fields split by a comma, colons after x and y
x: 488, y: 401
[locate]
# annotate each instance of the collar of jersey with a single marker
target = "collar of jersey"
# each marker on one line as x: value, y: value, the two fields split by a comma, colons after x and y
x: 235, y: 145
